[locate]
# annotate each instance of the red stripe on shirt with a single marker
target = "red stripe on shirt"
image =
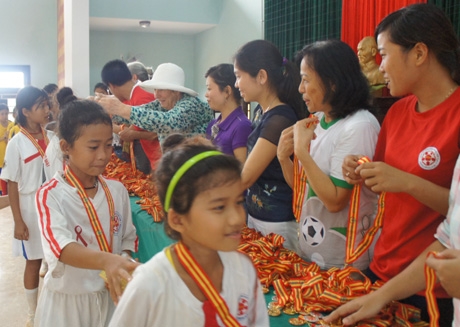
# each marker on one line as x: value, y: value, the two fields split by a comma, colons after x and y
x: 32, y: 157
x: 45, y: 216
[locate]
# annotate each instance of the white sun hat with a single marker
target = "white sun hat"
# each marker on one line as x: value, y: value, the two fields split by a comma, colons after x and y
x: 167, y: 76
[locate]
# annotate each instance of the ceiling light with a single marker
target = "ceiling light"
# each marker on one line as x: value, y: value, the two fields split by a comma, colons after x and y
x: 144, y: 23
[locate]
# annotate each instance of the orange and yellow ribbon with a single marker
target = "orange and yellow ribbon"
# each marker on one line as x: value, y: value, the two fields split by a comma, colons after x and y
x: 204, y: 283
x: 432, y: 305
x: 34, y: 141
x: 91, y: 211
x: 352, y: 253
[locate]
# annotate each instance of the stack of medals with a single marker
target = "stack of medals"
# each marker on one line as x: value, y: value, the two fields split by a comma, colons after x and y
x: 302, y: 288
x: 138, y: 184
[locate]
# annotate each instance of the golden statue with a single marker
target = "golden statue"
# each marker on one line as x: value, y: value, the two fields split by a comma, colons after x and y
x: 367, y: 50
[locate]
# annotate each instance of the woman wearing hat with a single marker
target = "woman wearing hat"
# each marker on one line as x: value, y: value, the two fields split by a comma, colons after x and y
x: 176, y: 109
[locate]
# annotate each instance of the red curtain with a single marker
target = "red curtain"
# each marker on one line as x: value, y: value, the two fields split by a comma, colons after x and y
x: 360, y: 17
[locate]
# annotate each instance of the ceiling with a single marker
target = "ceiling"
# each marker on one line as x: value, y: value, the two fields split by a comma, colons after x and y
x: 132, y: 25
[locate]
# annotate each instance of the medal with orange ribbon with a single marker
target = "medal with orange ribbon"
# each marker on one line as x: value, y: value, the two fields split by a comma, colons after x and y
x: 432, y: 305
x: 35, y: 143
x: 204, y: 283
x: 73, y: 180
x: 352, y: 253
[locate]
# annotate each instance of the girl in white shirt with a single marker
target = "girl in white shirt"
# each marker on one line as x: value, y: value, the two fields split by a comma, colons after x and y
x: 201, y: 280
x: 85, y: 223
x: 23, y: 170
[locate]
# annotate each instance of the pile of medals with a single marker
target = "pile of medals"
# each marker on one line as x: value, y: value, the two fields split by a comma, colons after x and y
x: 302, y: 289
x: 138, y: 184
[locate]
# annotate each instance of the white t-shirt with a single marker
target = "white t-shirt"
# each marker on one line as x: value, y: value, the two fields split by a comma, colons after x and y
x: 157, y: 296
x: 322, y: 236
x: 448, y: 232
x: 54, y: 156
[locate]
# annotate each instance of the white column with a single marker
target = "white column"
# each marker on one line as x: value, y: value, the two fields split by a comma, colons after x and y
x: 76, y: 26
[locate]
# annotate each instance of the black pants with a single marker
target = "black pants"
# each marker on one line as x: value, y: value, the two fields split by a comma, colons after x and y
x: 445, y: 306
x: 142, y: 161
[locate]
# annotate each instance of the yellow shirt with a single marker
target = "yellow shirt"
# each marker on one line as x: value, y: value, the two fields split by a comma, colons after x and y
x: 13, y: 131
x: 4, y: 133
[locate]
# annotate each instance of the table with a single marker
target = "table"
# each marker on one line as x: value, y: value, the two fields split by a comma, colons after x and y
x: 152, y: 239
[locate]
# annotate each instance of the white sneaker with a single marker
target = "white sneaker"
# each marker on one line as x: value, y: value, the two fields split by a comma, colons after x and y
x: 43, y: 269
x: 30, y: 320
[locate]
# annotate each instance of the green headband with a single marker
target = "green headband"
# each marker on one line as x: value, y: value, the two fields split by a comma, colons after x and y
x: 182, y: 170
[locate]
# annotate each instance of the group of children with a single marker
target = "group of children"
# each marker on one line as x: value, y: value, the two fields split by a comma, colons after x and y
x: 81, y: 223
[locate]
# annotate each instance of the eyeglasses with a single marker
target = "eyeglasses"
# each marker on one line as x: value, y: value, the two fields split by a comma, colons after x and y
x: 214, y: 131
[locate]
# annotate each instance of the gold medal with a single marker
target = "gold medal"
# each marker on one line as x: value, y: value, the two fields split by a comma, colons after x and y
x: 297, y: 321
x: 289, y: 310
x: 274, y: 312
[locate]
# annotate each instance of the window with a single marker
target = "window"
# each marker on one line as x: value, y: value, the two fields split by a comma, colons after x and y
x: 12, y: 79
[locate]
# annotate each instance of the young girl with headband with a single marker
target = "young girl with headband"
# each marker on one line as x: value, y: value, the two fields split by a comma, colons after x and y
x: 86, y: 225
x: 201, y: 280
x: 23, y: 170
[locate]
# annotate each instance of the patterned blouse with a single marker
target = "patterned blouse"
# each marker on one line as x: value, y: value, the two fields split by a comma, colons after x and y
x: 190, y: 116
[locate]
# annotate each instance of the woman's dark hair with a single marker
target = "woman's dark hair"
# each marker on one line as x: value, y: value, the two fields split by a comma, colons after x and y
x: 223, y: 75
x: 283, y: 75
x: 26, y: 98
x: 77, y: 114
x: 64, y: 96
x: 208, y: 173
x: 346, y: 87
x: 427, y: 24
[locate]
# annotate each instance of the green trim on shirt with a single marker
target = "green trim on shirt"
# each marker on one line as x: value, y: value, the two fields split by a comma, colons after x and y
x: 341, y: 183
x: 325, y: 125
x: 335, y: 181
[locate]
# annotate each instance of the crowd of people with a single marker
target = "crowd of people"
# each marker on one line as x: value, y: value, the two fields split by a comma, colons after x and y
x: 216, y: 171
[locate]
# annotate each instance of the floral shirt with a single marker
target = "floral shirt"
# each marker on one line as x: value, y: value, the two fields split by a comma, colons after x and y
x: 190, y: 116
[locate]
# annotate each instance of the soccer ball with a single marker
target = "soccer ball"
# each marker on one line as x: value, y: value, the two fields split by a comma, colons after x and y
x: 313, y: 231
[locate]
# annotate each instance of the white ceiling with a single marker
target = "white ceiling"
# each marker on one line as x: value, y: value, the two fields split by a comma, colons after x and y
x: 132, y: 25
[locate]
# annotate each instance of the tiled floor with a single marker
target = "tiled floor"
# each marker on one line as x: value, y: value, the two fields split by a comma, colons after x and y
x: 13, y: 305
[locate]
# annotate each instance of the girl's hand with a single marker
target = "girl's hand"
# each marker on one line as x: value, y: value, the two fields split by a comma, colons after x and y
x: 285, y: 146
x: 118, y: 269
x: 366, y: 306
x: 447, y: 265
x: 349, y: 165
x: 381, y: 177
x: 21, y: 232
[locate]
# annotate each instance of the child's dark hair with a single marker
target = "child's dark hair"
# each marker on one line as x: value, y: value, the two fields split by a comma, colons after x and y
x: 26, y: 98
x: 64, y: 96
x: 224, y: 76
x: 3, y: 107
x: 100, y: 85
x: 77, y: 114
x: 50, y: 88
x: 208, y: 173
x: 346, y: 87
x: 428, y: 24
x: 283, y: 75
